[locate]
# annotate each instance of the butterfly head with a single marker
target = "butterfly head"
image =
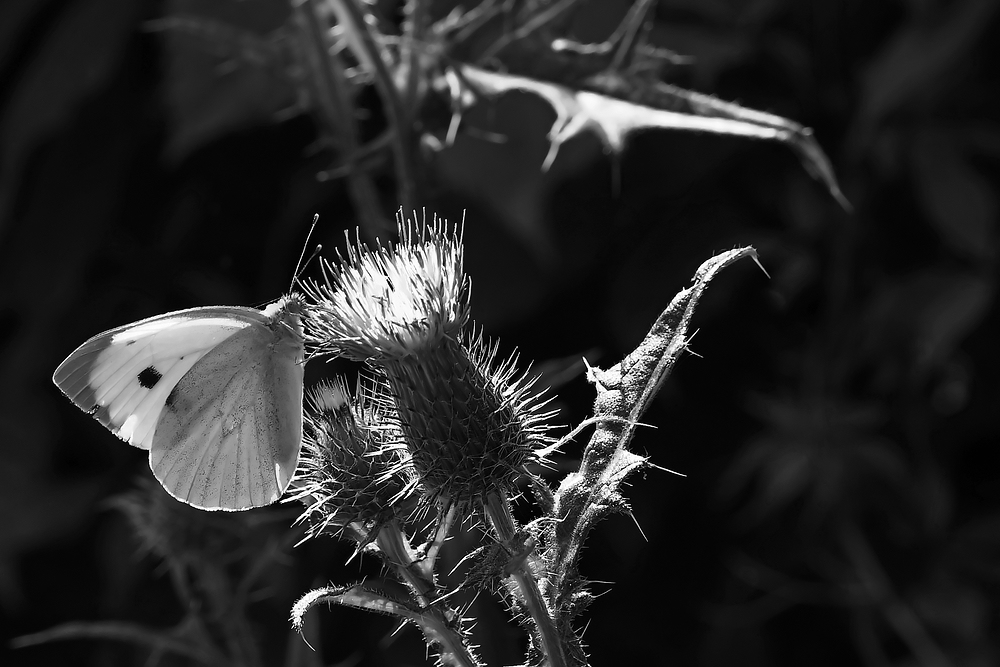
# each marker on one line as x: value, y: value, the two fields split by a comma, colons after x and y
x: 286, y: 314
x: 290, y: 305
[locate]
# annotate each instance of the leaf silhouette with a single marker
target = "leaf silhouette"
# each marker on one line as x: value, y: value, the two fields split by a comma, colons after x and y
x: 615, y: 120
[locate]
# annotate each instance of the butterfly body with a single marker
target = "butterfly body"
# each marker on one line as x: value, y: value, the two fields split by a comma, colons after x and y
x: 214, y: 394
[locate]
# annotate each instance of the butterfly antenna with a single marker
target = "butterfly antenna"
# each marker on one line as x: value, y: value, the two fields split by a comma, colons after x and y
x: 300, y: 267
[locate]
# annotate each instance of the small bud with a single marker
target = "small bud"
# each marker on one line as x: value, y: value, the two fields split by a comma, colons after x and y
x: 352, y: 468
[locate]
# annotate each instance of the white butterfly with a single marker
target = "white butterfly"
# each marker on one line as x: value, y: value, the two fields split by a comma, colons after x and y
x: 214, y: 394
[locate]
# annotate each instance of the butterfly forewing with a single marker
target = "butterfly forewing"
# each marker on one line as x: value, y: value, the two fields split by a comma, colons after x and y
x: 123, y: 376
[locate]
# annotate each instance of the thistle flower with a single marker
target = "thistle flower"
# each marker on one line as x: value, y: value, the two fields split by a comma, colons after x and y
x: 388, y: 303
x: 352, y: 471
x: 471, y: 425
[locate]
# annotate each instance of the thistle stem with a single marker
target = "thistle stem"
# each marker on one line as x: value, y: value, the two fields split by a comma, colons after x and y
x: 397, y: 551
x: 497, y: 511
x: 396, y: 548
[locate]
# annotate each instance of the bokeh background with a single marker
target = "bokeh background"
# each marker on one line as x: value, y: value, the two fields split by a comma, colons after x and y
x: 838, y: 429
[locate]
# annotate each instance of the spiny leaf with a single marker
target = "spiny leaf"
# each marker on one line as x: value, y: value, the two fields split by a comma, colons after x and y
x: 614, y: 120
x: 624, y: 392
x: 355, y: 596
x: 439, y: 626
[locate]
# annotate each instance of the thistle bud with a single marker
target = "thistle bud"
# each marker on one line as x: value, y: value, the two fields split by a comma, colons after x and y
x: 470, y: 425
x: 352, y: 470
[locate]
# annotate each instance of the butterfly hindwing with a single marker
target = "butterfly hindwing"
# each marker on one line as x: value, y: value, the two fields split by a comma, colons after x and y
x: 229, y: 433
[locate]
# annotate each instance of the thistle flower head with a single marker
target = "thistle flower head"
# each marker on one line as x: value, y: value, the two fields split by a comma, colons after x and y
x: 470, y: 425
x: 352, y: 470
x: 389, y: 303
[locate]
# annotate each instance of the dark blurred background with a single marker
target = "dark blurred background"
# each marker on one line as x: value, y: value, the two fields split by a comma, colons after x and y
x: 838, y: 430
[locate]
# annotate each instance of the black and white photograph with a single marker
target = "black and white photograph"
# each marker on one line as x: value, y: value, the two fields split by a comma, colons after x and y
x: 483, y: 333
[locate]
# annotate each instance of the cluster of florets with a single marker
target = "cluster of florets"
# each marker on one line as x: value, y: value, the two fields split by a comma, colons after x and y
x: 470, y: 425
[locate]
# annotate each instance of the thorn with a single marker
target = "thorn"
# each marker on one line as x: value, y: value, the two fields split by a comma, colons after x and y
x: 672, y: 472
x: 687, y: 344
x: 756, y: 260
x: 592, y: 374
x: 841, y: 198
x: 636, y: 522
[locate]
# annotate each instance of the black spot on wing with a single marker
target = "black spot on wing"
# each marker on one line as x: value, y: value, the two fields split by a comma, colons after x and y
x: 148, y: 377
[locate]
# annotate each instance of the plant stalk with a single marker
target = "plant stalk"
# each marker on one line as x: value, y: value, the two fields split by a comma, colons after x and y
x: 497, y: 511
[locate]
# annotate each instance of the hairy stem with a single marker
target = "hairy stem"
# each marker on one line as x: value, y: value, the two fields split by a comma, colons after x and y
x: 497, y: 510
x: 397, y: 551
